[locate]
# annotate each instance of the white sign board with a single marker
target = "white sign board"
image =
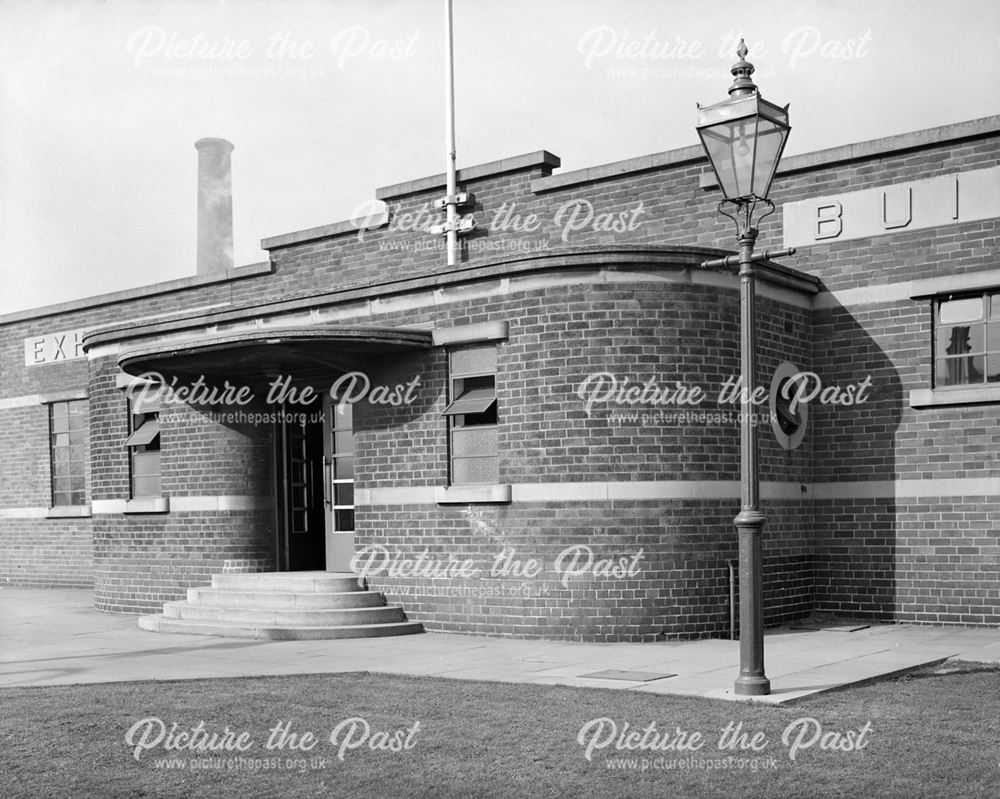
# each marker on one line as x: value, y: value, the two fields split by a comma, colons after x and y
x: 48, y: 348
x: 945, y: 200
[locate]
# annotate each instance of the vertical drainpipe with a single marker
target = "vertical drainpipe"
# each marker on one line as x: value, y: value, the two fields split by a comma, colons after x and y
x: 215, y: 206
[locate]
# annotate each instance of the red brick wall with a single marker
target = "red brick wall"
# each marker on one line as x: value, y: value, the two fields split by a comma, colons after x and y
x: 37, y: 551
x: 44, y: 551
x: 558, y: 336
x: 47, y: 552
x: 142, y: 560
x: 932, y: 560
x: 679, y: 591
x: 25, y: 467
x: 929, y: 560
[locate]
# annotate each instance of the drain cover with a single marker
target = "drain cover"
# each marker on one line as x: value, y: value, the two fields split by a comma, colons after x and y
x: 628, y: 676
x: 833, y: 628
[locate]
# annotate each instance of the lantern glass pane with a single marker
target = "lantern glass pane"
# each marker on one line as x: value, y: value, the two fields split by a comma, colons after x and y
x: 730, y: 148
x: 718, y: 143
x: 769, y: 144
x: 743, y: 156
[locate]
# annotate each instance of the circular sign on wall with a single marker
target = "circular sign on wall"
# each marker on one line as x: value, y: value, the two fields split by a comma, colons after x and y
x: 788, y: 423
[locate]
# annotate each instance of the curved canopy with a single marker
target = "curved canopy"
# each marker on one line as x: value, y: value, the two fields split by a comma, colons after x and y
x: 262, y: 354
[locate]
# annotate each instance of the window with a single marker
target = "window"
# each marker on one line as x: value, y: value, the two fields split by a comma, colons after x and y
x: 143, y: 445
x: 967, y: 340
x: 342, y: 466
x: 472, y: 415
x: 67, y: 441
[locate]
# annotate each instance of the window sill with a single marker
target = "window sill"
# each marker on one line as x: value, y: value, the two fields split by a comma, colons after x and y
x: 148, y: 505
x: 68, y: 512
x: 462, y: 495
x: 943, y: 397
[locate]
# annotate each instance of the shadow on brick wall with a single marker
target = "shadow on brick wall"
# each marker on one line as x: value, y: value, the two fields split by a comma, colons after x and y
x: 854, y: 464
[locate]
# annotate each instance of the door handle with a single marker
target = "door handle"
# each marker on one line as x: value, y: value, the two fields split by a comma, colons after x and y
x: 327, y: 484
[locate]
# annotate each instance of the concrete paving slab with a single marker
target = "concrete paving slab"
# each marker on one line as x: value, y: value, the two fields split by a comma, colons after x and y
x: 688, y: 686
x: 55, y: 637
x: 583, y: 682
x: 783, y: 667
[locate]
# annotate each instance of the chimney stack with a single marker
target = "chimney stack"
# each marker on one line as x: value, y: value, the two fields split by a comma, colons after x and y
x: 215, y: 206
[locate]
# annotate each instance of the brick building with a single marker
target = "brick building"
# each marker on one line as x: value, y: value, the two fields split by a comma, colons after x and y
x: 543, y: 440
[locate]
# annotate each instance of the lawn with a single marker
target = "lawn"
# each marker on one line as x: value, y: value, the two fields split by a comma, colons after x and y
x: 929, y: 734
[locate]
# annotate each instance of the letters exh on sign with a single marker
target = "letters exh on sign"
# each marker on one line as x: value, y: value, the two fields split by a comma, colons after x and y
x: 46, y: 348
x: 944, y: 200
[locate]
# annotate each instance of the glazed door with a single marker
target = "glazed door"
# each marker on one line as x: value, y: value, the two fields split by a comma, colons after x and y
x: 338, y: 482
x: 301, y: 537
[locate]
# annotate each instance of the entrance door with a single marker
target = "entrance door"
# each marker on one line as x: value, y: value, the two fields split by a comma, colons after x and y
x: 299, y: 478
x: 338, y: 480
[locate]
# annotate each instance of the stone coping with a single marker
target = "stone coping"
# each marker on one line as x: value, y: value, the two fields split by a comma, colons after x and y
x: 617, y: 169
x: 539, y: 158
x: 796, y: 163
x: 371, y: 222
x: 166, y: 287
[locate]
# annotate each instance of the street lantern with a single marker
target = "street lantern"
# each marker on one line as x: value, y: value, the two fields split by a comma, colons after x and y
x: 743, y: 138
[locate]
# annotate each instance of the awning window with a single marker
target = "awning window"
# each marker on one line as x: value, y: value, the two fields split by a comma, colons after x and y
x: 475, y: 400
x: 144, y: 434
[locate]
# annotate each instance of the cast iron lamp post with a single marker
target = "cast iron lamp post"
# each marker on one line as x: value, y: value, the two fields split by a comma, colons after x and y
x: 743, y: 138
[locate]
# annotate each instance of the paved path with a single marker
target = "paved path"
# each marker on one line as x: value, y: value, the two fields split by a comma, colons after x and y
x: 55, y: 637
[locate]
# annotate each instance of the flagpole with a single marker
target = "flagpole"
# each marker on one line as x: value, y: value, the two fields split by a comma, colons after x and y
x: 451, y: 225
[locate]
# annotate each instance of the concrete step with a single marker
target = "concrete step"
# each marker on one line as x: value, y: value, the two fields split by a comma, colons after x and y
x: 285, y: 618
x: 294, y: 582
x: 283, y: 606
x: 160, y: 624
x: 283, y: 600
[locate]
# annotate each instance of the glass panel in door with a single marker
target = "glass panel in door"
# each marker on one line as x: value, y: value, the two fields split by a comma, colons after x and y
x: 338, y: 460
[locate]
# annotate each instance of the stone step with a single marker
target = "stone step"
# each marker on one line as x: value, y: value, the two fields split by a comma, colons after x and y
x: 283, y: 606
x: 160, y: 624
x: 293, y: 582
x: 285, y: 618
x: 284, y: 600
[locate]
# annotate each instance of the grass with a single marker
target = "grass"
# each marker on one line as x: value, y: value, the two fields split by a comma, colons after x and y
x: 933, y: 734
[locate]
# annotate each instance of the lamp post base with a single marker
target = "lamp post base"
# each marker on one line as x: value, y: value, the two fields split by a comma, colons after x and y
x: 752, y: 686
x: 749, y: 525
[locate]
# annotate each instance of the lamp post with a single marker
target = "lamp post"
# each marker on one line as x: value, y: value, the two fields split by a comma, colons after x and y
x: 743, y: 137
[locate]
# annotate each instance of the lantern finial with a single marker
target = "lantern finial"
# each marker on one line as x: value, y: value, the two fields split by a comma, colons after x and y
x: 741, y: 72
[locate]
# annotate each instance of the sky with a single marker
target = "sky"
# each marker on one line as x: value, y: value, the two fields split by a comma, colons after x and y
x: 326, y: 100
